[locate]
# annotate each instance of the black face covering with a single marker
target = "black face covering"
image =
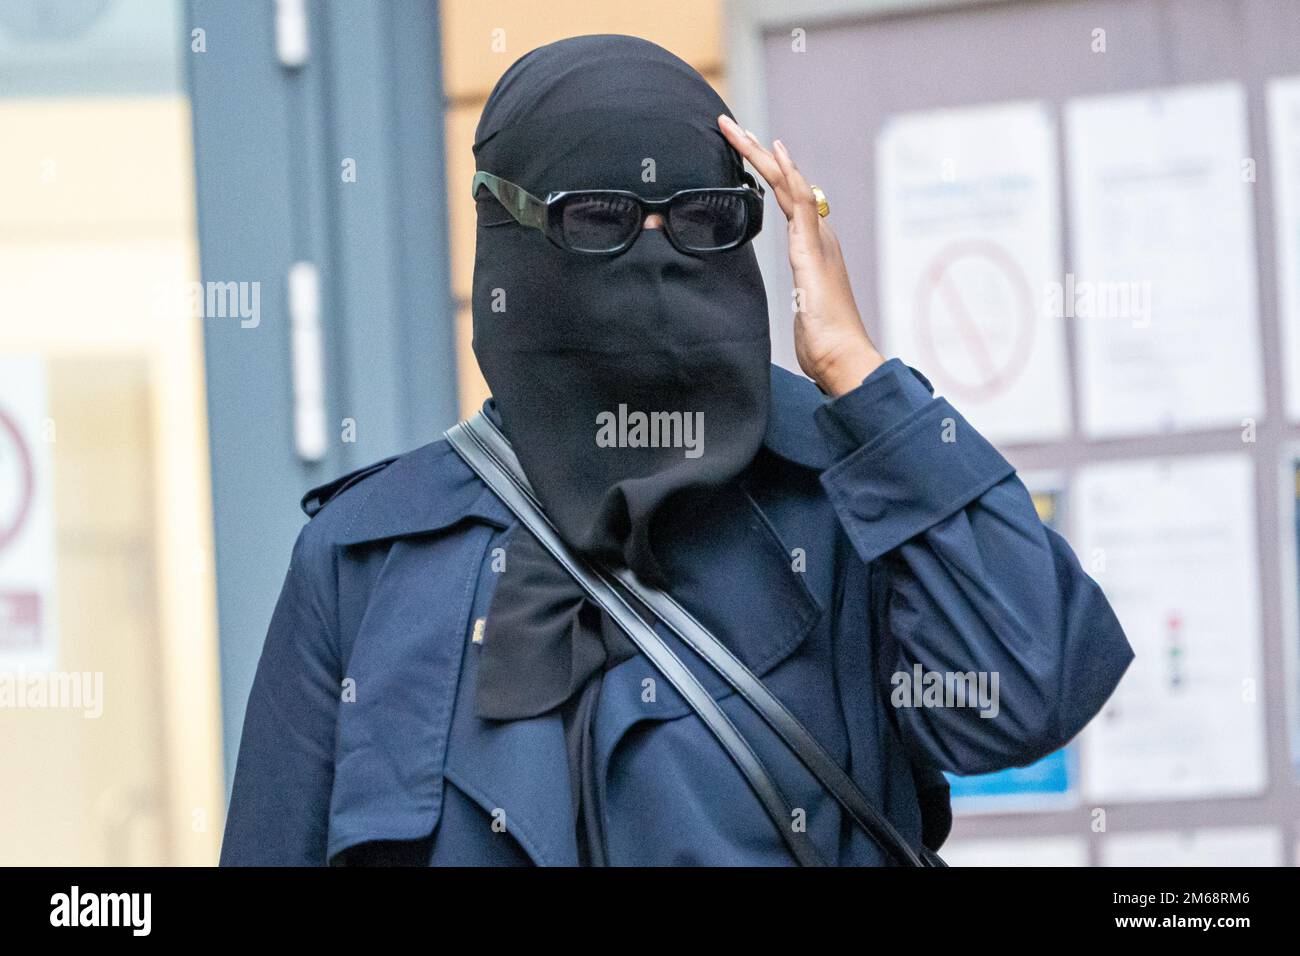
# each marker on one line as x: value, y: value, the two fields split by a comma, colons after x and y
x: 575, y: 347
x: 565, y: 338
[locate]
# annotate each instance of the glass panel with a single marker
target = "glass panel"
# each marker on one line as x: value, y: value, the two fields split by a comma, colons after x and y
x: 109, y: 731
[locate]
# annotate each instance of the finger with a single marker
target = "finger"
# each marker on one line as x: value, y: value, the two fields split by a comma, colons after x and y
x: 804, y: 216
x: 748, y: 146
x: 763, y: 161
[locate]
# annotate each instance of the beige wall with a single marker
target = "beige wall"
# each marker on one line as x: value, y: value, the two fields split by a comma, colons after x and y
x: 96, y: 218
x: 473, y: 31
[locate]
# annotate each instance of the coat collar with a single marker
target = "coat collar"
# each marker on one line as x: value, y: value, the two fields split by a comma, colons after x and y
x: 431, y: 489
x: 728, y: 566
x: 426, y: 490
x: 792, y: 432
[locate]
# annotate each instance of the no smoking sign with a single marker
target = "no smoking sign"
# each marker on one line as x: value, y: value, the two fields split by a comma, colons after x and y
x: 974, y: 316
x: 27, y: 558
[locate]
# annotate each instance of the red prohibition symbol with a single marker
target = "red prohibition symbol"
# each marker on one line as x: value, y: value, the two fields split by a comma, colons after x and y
x: 9, y: 528
x: 994, y: 369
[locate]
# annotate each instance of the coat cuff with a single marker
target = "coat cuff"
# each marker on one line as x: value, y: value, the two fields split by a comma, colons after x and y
x: 883, y: 399
x: 906, y: 460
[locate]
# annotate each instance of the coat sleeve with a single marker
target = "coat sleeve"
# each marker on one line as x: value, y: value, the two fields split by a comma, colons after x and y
x: 976, y: 588
x: 279, y: 805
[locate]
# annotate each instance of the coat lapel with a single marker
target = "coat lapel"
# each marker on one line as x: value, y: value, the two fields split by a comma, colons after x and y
x: 517, y: 771
x: 734, y: 573
x: 400, y: 684
x: 412, y: 725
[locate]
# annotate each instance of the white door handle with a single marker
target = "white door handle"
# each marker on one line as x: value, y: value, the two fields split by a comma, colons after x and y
x: 308, y: 362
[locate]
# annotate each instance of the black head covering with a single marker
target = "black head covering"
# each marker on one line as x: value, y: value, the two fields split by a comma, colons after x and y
x: 564, y: 339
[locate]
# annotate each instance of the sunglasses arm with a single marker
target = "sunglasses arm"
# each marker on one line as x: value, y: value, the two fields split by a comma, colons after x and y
x: 527, y: 209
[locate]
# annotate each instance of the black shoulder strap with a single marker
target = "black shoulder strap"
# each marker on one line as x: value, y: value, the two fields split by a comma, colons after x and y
x: 509, y: 485
x: 488, y: 452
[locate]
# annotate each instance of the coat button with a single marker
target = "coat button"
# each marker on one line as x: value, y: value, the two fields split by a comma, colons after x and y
x: 479, y: 625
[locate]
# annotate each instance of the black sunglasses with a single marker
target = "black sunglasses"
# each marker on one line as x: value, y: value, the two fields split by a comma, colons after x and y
x: 607, y: 221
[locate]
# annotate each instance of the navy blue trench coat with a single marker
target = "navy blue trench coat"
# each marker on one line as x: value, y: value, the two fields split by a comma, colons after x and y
x: 880, y: 539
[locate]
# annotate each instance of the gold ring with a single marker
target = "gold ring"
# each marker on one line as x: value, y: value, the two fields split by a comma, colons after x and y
x: 823, y: 207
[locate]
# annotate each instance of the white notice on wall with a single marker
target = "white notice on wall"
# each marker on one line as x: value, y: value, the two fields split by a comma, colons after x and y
x: 1172, y: 543
x: 969, y: 239
x: 1284, y: 145
x: 1016, y: 851
x: 1213, y: 846
x: 1164, y: 286
x: 27, y: 608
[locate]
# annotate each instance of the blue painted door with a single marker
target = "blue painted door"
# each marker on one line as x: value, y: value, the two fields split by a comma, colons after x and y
x: 328, y: 322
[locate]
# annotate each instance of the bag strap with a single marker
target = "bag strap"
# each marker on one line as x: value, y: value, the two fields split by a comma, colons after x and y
x: 473, y: 442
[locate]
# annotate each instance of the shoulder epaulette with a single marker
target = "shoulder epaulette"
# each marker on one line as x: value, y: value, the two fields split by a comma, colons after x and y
x: 318, y: 497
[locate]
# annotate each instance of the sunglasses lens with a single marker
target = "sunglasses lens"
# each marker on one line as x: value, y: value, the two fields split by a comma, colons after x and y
x: 599, y: 222
x: 708, y: 220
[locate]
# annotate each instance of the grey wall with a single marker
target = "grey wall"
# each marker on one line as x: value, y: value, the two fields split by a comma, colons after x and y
x: 921, y: 56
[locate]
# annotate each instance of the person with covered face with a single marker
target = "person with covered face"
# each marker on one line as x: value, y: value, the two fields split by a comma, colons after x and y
x: 436, y: 688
